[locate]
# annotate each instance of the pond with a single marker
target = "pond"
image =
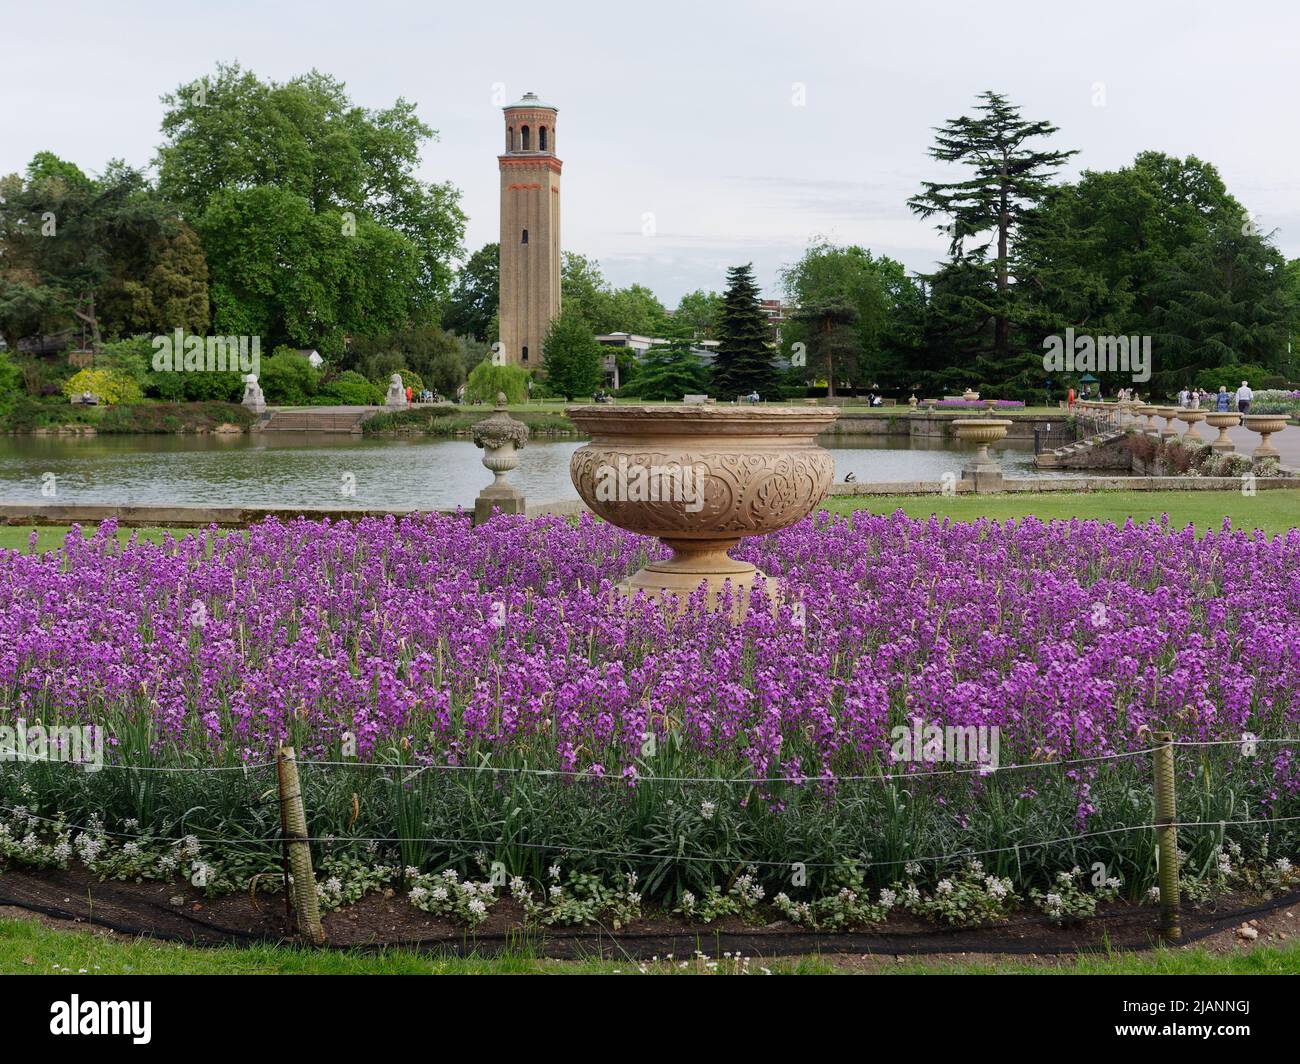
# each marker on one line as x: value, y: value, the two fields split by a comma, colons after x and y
x: 333, y: 470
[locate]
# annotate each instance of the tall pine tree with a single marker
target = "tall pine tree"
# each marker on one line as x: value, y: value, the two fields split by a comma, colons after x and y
x: 1007, y: 181
x: 744, y: 360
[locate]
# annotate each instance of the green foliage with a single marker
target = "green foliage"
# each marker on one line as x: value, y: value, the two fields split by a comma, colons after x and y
x: 11, y: 384
x: 696, y: 316
x: 294, y: 173
x: 350, y: 388
x: 1230, y: 377
x: 287, y: 378
x: 586, y: 294
x: 487, y: 380
x: 432, y: 356
x: 744, y: 361
x: 110, y: 385
x: 472, y: 306
x: 573, y: 357
x: 104, y: 254
x: 669, y: 372
x: 1221, y: 301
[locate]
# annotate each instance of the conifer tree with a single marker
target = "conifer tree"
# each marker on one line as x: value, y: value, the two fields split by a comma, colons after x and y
x: 744, y: 360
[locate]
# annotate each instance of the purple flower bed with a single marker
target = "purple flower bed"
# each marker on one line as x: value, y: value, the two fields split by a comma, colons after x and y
x: 973, y: 404
x: 426, y: 641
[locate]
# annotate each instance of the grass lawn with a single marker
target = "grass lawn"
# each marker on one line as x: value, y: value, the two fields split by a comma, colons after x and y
x: 28, y: 947
x: 1272, y: 511
x: 14, y: 537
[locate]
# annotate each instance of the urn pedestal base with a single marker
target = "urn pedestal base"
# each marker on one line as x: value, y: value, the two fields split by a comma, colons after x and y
x: 695, y: 563
x: 503, y: 497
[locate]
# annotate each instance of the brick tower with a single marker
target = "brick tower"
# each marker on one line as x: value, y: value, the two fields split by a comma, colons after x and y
x: 530, y: 231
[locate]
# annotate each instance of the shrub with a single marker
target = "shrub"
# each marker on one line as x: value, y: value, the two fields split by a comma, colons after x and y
x: 352, y: 389
x: 287, y: 378
x: 110, y: 385
x: 487, y: 380
x: 11, y: 384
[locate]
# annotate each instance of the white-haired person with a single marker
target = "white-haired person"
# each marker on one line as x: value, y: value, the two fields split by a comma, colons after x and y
x: 1244, y: 396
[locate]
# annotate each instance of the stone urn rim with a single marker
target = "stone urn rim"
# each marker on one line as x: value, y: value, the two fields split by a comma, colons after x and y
x: 1216, y: 418
x: 1256, y: 422
x: 723, y: 422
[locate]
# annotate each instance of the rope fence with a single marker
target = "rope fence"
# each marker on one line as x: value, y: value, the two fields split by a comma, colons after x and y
x: 296, y: 841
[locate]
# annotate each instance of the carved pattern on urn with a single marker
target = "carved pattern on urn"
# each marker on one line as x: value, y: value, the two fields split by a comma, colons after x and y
x: 744, y: 494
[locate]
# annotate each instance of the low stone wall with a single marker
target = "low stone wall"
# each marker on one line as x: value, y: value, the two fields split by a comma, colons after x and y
x: 936, y: 424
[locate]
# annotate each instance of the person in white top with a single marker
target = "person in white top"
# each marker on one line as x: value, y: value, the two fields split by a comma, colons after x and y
x: 1244, y: 396
x: 1183, y: 397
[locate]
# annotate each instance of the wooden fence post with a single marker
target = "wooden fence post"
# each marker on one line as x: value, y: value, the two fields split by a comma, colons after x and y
x: 1167, y: 836
x: 294, y: 821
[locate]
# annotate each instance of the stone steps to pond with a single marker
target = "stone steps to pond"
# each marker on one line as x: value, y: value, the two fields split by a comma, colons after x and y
x: 345, y: 419
x: 1094, y: 452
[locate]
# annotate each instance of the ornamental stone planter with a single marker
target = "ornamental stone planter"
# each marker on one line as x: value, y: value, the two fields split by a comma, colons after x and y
x: 1190, y: 418
x: 1170, y: 414
x: 1223, y: 421
x: 1265, y: 425
x: 501, y: 438
x: 983, y: 471
x: 701, y: 478
x: 1148, y: 412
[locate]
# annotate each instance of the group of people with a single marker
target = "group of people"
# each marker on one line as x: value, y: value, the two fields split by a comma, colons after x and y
x: 1196, y: 398
x: 1192, y: 398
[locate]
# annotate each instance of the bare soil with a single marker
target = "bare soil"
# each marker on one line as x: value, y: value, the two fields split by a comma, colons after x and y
x: 177, y: 912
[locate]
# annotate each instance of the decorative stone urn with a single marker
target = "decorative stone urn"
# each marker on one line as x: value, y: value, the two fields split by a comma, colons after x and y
x: 912, y: 401
x: 983, y: 471
x: 501, y: 438
x: 1223, y: 421
x: 701, y: 478
x: 1191, y: 417
x: 991, y: 405
x: 1265, y: 425
x: 395, y: 399
x: 1147, y: 411
x: 1170, y: 414
x: 970, y: 395
x: 253, y: 397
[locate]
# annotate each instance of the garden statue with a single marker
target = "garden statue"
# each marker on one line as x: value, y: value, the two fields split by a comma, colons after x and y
x: 253, y: 397
x: 396, y: 397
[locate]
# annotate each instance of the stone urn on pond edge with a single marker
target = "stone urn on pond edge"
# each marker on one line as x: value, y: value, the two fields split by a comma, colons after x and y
x: 501, y: 437
x: 701, y: 479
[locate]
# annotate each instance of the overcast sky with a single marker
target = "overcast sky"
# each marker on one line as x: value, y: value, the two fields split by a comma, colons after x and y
x: 732, y: 132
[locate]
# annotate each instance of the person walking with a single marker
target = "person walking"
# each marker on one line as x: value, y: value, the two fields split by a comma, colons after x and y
x: 1069, y: 399
x: 1244, y: 396
x: 1222, y: 401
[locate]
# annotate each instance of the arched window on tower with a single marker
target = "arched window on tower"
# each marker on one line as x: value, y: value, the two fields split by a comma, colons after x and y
x: 525, y: 358
x: 524, y: 146
x: 510, y: 138
x: 525, y: 239
x: 541, y: 138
